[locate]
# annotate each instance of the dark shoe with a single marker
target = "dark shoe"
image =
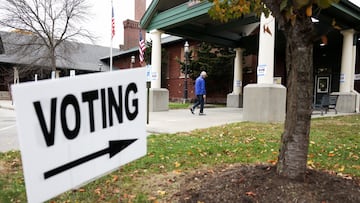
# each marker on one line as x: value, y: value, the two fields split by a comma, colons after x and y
x: 202, y: 114
x: 192, y: 110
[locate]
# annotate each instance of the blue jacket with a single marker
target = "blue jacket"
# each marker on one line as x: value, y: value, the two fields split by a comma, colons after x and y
x: 200, y: 86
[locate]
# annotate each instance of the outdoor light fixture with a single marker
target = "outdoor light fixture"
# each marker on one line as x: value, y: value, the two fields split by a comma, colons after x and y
x: 186, y: 52
x: 132, y: 61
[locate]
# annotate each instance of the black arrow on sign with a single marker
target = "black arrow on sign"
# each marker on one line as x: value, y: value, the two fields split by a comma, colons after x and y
x: 115, y: 146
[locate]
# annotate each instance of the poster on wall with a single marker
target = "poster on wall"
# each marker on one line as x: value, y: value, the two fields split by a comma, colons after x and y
x: 322, y: 85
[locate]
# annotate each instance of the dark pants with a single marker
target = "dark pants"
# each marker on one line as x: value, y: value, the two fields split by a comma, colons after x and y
x: 199, y: 101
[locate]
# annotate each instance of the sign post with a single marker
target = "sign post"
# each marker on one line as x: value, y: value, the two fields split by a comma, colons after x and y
x: 148, y: 86
x: 74, y: 130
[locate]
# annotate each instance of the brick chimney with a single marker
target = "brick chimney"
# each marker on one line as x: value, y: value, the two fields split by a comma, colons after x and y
x: 131, y: 27
x: 140, y: 7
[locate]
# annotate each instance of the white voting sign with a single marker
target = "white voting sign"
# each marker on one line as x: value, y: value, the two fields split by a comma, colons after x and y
x: 75, y: 129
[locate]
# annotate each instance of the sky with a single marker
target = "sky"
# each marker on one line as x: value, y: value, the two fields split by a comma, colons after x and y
x: 99, y: 22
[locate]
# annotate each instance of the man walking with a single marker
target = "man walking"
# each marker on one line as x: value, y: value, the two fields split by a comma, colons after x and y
x: 200, y: 92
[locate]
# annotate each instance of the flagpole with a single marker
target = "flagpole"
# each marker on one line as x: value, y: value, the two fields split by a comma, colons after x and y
x: 111, y: 58
x: 111, y: 36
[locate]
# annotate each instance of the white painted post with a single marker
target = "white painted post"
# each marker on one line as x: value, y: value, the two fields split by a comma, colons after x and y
x: 238, y: 72
x: 265, y: 70
x: 156, y: 59
x: 347, y: 62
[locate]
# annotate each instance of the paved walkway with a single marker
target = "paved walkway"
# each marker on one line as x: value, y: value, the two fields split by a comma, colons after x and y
x: 182, y: 120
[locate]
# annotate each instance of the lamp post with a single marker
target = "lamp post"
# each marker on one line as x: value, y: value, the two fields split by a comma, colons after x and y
x: 186, y: 52
x: 132, y: 61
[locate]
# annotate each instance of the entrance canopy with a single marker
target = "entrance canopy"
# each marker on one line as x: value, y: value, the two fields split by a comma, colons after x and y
x: 190, y: 19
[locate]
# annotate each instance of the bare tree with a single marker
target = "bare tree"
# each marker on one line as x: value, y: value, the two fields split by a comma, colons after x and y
x: 47, y: 24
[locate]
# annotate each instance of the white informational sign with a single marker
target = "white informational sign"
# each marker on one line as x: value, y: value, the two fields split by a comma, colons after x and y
x: 357, y: 77
x: 75, y: 129
x: 342, y: 78
x: 238, y: 83
x: 154, y: 75
x: 261, y: 70
x: 148, y: 73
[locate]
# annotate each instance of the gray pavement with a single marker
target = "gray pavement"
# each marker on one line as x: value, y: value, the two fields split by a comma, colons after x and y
x: 171, y: 121
x: 8, y: 134
x: 181, y: 120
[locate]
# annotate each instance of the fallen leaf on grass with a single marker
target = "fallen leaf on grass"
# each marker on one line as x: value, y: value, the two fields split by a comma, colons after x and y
x: 161, y: 192
x: 115, y: 178
x: 273, y: 162
x: 129, y: 196
x: 331, y: 154
x: 152, y: 199
x: 311, y: 164
x: 97, y: 191
x: 81, y: 190
x: 341, y: 169
x: 356, y: 166
x: 250, y: 194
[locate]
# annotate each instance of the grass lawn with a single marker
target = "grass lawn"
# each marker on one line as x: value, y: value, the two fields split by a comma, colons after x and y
x: 334, y: 147
x: 176, y: 105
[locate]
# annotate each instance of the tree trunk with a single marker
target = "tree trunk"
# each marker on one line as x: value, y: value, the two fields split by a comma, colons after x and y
x: 52, y: 57
x: 292, y: 158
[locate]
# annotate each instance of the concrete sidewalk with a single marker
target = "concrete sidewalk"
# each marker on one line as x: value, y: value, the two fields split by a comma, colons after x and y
x: 181, y: 120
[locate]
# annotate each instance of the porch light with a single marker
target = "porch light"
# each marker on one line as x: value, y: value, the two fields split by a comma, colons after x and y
x: 132, y: 61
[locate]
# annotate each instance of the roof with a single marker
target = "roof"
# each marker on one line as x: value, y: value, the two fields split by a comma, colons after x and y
x: 190, y: 19
x: 71, y: 55
x: 164, y: 41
